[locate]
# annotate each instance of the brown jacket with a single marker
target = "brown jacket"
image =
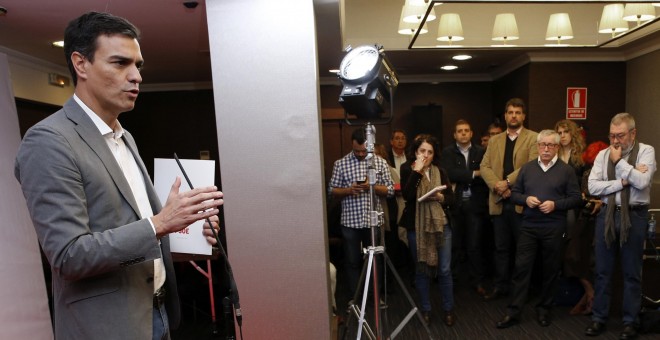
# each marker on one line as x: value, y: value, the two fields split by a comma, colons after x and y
x: 492, y: 165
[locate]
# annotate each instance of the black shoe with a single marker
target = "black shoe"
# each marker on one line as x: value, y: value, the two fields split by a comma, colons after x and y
x: 595, y: 329
x: 506, y: 322
x: 427, y: 317
x: 480, y: 290
x: 494, y: 295
x: 629, y: 332
x: 544, y: 320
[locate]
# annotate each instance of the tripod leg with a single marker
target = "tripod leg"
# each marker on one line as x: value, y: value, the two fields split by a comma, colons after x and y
x: 353, y: 309
x: 410, y: 300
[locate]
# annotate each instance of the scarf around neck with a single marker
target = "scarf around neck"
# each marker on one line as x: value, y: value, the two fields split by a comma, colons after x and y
x: 610, y: 226
x: 429, y: 221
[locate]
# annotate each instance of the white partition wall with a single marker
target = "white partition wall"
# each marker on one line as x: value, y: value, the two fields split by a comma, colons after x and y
x: 24, y: 313
x: 265, y: 85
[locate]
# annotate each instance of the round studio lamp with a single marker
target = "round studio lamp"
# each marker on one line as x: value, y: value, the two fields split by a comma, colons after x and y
x: 368, y: 81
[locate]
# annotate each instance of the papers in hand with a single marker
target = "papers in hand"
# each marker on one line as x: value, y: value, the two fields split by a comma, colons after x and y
x: 432, y: 192
x: 202, y: 173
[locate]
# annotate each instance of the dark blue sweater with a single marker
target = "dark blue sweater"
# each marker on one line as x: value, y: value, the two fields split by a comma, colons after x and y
x: 558, y: 184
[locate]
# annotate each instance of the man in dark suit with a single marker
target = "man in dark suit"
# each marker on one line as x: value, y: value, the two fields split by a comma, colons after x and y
x: 397, y: 154
x: 547, y: 188
x: 95, y: 211
x: 462, y: 161
x: 506, y: 153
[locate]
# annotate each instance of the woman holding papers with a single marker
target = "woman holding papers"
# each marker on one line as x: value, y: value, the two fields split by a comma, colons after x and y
x: 427, y: 223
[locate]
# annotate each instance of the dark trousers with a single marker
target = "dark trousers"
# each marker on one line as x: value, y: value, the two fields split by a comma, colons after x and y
x: 470, y: 228
x: 630, y: 254
x: 506, y: 227
x: 354, y: 240
x: 549, y: 239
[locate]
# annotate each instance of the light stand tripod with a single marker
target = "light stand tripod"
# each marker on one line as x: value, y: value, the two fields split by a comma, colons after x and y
x: 371, y: 265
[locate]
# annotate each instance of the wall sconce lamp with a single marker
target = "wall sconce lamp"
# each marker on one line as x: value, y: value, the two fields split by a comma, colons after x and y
x: 58, y: 80
x: 559, y: 28
x: 505, y: 28
x: 450, y: 28
x: 638, y: 12
x: 611, y: 21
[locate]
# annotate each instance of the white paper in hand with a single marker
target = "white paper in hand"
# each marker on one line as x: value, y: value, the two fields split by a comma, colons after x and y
x: 432, y: 192
x: 201, y: 173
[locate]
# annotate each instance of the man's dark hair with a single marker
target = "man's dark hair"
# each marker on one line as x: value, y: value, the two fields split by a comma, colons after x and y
x: 397, y: 130
x: 359, y: 136
x: 462, y: 122
x: 81, y: 34
x: 516, y: 102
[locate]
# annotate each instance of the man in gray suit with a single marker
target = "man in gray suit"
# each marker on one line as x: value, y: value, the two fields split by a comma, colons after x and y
x: 93, y: 206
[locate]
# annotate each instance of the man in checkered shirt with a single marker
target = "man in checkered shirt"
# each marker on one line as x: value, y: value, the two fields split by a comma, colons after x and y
x: 349, y: 183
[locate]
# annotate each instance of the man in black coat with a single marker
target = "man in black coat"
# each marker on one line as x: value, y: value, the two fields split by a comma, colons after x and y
x: 462, y: 161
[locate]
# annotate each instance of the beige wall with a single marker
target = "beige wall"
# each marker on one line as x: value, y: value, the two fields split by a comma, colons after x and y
x: 268, y: 123
x: 29, y: 79
x: 643, y: 102
x: 24, y: 313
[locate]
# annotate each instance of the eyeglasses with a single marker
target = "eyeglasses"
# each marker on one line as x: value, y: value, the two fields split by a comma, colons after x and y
x: 618, y: 136
x: 547, y: 145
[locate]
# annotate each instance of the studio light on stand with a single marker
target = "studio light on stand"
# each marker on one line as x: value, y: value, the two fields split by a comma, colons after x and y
x: 369, y: 81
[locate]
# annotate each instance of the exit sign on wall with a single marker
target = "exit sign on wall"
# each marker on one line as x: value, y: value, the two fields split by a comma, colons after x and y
x: 576, y: 103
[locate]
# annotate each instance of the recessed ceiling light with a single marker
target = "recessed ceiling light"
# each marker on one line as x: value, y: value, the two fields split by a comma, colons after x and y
x: 449, y: 67
x: 58, y: 43
x: 462, y: 57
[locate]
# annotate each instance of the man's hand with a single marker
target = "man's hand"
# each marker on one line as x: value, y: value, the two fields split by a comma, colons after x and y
x: 215, y: 221
x: 358, y: 188
x: 547, y: 207
x: 506, y: 194
x: 597, y: 205
x: 532, y: 201
x: 183, y: 209
x: 501, y: 187
x: 615, y: 153
x: 642, y: 168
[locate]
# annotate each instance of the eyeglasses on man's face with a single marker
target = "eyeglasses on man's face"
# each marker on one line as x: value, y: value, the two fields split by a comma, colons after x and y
x: 619, y: 136
x: 547, y: 145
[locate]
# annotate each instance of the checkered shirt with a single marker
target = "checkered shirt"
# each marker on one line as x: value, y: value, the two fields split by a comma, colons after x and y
x: 347, y: 170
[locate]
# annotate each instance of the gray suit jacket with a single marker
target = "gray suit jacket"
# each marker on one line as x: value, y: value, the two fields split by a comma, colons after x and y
x: 88, y: 223
x: 492, y: 165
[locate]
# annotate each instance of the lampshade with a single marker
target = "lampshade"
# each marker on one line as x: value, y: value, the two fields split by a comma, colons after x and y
x: 611, y: 21
x: 505, y: 27
x: 559, y: 27
x: 638, y: 12
x: 414, y: 14
x: 450, y: 28
x: 409, y: 28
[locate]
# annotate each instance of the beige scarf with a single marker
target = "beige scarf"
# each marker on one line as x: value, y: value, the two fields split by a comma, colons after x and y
x: 429, y: 222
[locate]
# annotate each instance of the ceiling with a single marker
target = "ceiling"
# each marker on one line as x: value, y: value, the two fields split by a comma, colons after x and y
x: 175, y: 39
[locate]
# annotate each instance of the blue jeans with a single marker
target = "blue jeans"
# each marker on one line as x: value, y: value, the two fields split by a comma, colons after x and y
x: 631, y: 265
x: 354, y: 240
x: 423, y: 281
x: 161, y: 325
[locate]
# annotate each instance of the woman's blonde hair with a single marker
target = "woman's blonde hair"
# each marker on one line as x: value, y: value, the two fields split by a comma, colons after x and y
x: 577, y: 144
